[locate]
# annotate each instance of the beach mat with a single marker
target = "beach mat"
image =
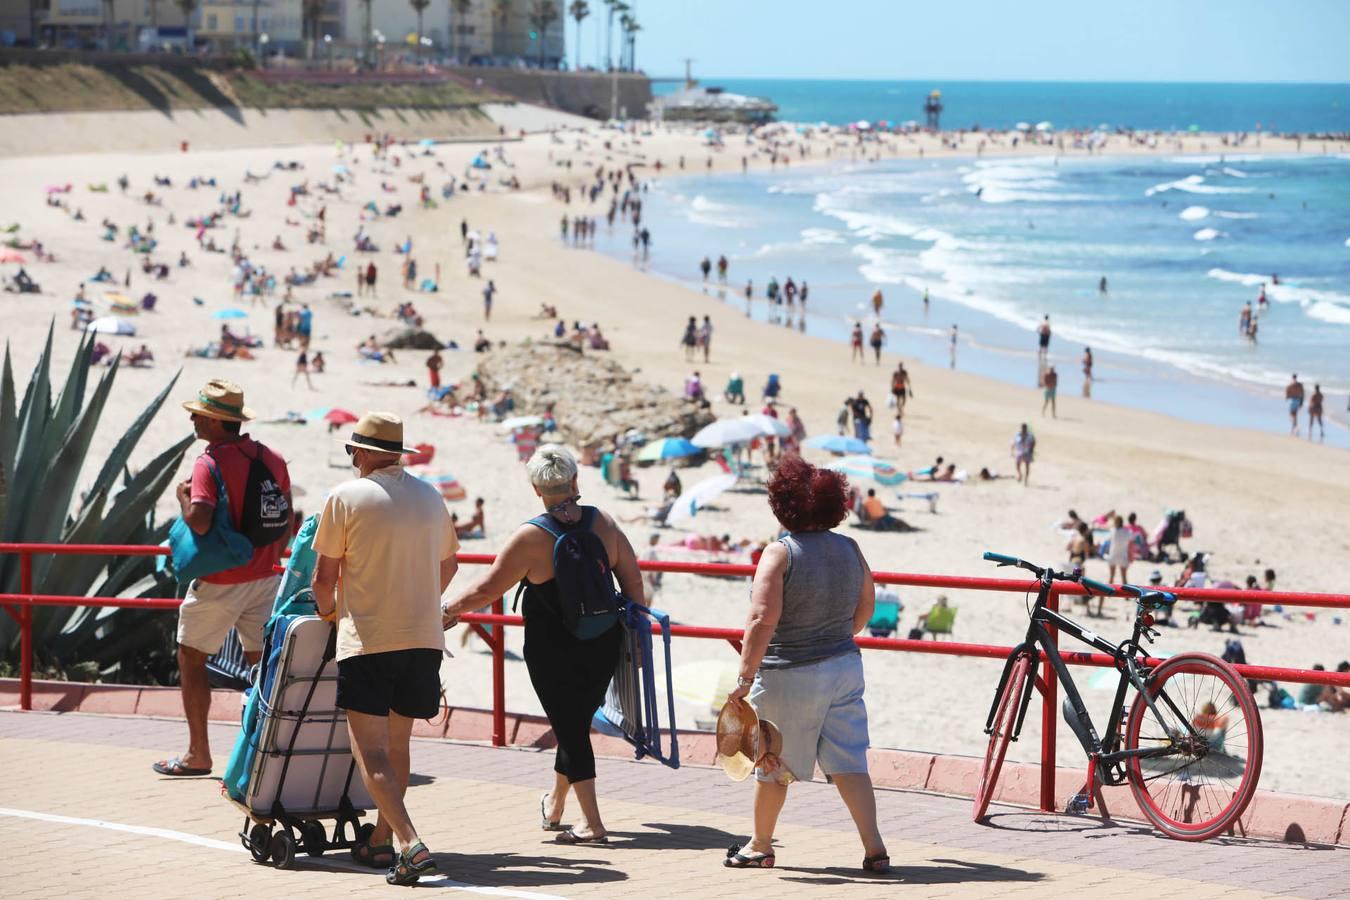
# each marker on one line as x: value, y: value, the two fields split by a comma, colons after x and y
x: 633, y: 700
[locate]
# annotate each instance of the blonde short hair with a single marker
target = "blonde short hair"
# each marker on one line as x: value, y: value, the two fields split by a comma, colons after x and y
x: 551, y: 468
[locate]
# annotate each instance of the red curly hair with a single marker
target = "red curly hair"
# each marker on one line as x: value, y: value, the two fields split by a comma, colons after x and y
x: 806, y: 498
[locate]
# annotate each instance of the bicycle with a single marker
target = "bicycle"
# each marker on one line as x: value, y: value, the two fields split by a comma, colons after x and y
x: 1190, y: 745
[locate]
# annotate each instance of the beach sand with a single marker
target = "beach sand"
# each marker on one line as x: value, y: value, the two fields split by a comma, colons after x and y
x: 1257, y: 500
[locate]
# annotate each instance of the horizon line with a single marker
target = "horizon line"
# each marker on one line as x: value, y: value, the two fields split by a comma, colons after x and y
x: 967, y: 80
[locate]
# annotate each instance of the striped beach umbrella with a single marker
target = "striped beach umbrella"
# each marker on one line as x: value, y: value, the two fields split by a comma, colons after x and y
x: 444, y: 482
x: 878, y: 470
x: 838, y: 443
x: 667, y: 448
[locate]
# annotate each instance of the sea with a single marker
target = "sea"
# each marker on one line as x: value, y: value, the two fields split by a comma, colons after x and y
x: 998, y: 243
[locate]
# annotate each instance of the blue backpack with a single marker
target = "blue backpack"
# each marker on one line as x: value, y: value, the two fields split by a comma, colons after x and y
x: 587, y: 598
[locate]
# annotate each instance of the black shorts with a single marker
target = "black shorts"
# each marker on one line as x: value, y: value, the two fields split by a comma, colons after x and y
x: 407, y: 682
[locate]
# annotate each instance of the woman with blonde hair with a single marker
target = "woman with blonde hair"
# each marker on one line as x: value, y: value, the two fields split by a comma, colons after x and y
x: 570, y: 673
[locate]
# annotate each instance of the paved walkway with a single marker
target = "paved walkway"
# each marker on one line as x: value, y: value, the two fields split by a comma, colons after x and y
x: 83, y: 816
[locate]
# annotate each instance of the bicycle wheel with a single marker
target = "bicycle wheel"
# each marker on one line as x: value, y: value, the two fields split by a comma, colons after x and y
x: 1201, y: 788
x: 1008, y: 703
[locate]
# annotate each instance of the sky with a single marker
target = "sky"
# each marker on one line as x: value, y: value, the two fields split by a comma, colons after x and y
x: 989, y: 40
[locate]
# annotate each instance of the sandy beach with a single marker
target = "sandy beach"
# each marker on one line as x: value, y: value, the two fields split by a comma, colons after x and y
x: 1257, y: 500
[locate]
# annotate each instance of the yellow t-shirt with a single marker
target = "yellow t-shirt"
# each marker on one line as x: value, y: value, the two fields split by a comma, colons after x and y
x: 390, y: 530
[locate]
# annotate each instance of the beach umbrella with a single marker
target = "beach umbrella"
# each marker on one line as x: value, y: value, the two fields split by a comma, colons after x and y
x: 447, y: 484
x: 426, y: 143
x: 877, y: 470
x: 9, y: 256
x: 667, y: 448
x: 515, y: 422
x: 710, y: 132
x: 687, y: 505
x: 838, y: 443
x: 111, y: 325
x: 864, y: 125
x: 339, y: 416
x: 341, y: 170
x: 1023, y: 126
x: 1194, y: 128
x: 229, y: 313
x: 1044, y: 126
x: 725, y: 432
x: 769, y: 426
x: 706, y: 682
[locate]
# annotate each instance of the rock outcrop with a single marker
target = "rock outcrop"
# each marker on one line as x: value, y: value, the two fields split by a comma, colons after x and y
x: 593, y: 397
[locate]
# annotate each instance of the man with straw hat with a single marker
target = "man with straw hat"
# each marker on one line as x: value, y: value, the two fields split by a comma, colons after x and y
x: 240, y: 598
x: 386, y: 550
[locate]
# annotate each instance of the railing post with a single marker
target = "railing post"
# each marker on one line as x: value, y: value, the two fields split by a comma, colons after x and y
x: 499, y: 677
x: 1049, y: 718
x: 26, y: 633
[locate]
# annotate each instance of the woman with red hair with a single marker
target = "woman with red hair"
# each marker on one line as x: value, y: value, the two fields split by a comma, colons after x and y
x: 800, y: 667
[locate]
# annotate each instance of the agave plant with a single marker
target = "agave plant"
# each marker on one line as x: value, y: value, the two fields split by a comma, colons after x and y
x: 43, y: 449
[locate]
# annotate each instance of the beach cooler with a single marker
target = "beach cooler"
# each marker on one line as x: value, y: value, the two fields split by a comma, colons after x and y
x: 633, y: 701
x: 291, y: 768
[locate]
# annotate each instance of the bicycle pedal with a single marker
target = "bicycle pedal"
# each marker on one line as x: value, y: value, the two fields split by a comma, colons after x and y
x: 1079, y: 803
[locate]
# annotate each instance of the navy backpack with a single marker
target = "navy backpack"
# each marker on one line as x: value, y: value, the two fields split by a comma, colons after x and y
x: 589, y: 603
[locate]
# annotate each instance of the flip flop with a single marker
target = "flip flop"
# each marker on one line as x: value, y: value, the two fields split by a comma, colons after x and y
x: 738, y: 860
x: 175, y: 768
x: 544, y: 822
x: 877, y: 865
x: 570, y: 836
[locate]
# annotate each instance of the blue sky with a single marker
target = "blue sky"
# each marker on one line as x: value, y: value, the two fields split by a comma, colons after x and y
x: 1051, y: 40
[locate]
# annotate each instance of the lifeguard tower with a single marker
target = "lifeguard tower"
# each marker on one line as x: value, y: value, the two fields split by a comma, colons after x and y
x: 932, y: 109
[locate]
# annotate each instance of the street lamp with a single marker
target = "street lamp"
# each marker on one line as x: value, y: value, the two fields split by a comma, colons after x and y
x: 262, y: 49
x: 328, y: 45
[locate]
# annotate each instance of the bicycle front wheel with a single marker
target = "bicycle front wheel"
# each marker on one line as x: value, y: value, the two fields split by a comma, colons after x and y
x: 1007, y: 706
x: 1207, y: 775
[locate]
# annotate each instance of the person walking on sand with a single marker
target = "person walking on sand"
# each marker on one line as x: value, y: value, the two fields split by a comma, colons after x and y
x: 705, y: 266
x: 489, y: 290
x: 240, y: 598
x: 749, y: 295
x: 1043, y: 340
x: 1315, y: 413
x: 877, y: 339
x: 1293, y: 397
x: 1087, y: 371
x: 951, y: 342
x: 434, y: 363
x: 856, y: 344
x: 370, y: 278
x: 689, y: 340
x: 386, y: 552
x: 302, y: 368
x: 901, y: 386
x: 862, y: 417
x: 800, y: 667
x: 705, y: 334
x: 1051, y: 383
x: 570, y: 671
x: 899, y: 428
x: 1023, y: 453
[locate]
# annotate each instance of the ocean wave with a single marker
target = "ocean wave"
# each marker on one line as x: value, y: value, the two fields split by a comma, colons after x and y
x: 864, y: 224
x: 1215, y: 160
x: 1207, y: 234
x: 1330, y: 306
x: 1192, y: 213
x: 1328, y: 312
x: 1225, y: 214
x: 1194, y: 184
x: 703, y: 211
x: 1233, y: 173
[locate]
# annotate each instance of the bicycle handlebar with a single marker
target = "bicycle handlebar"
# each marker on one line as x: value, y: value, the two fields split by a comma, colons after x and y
x: 1004, y: 559
x: 1097, y: 587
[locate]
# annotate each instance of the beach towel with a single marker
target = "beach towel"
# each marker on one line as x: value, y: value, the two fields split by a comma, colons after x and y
x: 632, y: 702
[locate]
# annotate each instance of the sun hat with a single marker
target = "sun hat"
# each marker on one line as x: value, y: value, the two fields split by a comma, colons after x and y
x: 379, y: 431
x: 744, y: 739
x: 220, y: 399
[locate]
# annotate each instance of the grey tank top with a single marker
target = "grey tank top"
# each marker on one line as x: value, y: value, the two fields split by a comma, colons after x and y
x: 820, y: 593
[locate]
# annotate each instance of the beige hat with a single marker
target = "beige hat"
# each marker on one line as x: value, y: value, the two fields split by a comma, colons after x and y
x: 220, y: 399
x: 380, y: 431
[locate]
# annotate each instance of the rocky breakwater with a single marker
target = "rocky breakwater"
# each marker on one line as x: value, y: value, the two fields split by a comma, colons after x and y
x: 593, y: 397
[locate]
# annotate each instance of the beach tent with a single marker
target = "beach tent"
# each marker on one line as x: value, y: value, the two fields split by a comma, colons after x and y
x: 837, y: 443
x: 667, y: 448
x: 687, y: 505
x: 877, y: 470
x: 111, y: 325
x: 229, y: 313
x: 724, y: 432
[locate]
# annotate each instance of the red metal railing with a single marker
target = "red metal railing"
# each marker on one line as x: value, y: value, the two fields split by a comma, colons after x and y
x: 19, y: 606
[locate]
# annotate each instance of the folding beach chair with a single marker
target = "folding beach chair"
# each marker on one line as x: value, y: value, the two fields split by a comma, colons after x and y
x: 632, y: 703
x: 885, y: 615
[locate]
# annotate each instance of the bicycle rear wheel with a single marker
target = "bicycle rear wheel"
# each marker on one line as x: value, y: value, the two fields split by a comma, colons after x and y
x: 1007, y: 706
x: 1201, y: 788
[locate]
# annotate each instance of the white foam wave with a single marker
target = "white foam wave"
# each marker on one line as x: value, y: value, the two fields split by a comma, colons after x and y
x: 864, y: 224
x: 1192, y: 213
x: 1225, y: 214
x: 1194, y: 184
x: 1233, y: 173
x: 1328, y: 312
x: 1328, y: 306
x: 703, y: 211
x: 1214, y: 160
x: 1207, y: 234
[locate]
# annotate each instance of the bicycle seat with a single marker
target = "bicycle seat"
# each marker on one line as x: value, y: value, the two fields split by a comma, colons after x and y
x: 1156, y: 599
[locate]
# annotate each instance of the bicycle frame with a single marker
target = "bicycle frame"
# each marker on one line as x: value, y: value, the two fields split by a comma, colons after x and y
x: 1104, y: 755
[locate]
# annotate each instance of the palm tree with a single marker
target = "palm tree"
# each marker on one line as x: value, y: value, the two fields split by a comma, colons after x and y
x: 579, y: 10
x: 461, y: 10
x: 632, y: 28
x: 624, y: 19
x: 310, y: 11
x: 419, y: 6
x: 616, y: 7
x: 544, y: 14
x: 366, y: 36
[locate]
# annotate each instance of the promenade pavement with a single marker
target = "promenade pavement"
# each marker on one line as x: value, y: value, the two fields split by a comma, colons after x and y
x: 82, y: 815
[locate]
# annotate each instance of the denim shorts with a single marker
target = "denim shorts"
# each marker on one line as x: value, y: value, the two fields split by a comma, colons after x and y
x: 819, y: 709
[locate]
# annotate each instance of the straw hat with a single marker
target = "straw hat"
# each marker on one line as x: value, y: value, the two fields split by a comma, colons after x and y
x: 379, y: 431
x: 220, y: 399
x: 744, y: 739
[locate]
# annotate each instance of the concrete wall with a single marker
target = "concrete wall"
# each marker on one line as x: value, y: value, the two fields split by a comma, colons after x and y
x: 582, y: 93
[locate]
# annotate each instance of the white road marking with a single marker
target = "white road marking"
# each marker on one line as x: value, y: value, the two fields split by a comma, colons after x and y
x: 213, y: 844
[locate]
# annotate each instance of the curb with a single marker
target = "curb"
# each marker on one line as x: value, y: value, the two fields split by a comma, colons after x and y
x: 1291, y: 818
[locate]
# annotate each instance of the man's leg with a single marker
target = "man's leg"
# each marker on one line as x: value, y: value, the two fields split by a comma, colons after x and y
x: 196, y: 692
x: 371, y: 740
x: 400, y: 761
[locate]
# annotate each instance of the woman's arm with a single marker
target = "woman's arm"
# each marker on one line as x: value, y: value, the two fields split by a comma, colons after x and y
x: 627, y: 571
x: 766, y: 606
x: 867, y: 598
x: 510, y: 568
